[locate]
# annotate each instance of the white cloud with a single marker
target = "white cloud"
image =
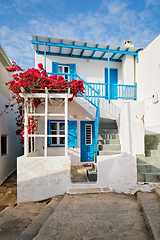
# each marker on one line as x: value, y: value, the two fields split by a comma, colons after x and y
x: 112, y: 27
x: 151, y: 2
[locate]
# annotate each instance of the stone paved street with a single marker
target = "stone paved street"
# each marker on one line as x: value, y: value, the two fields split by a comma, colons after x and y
x: 96, y: 216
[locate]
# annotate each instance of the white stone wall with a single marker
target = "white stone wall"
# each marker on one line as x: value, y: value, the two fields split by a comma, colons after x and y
x: 148, y: 84
x: 131, y: 128
x: 40, y: 178
x: 8, y: 163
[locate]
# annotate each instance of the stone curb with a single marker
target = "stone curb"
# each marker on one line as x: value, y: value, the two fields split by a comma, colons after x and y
x: 32, y: 230
x: 147, y: 216
x: 157, y: 191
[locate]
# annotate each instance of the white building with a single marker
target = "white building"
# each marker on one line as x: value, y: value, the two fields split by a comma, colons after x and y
x: 106, y: 124
x: 10, y: 147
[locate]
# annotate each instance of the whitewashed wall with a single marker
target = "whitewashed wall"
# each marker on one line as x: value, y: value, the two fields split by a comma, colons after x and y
x: 89, y: 70
x: 40, y: 178
x: 132, y: 128
x: 8, y: 163
x: 148, y: 83
x: 76, y: 113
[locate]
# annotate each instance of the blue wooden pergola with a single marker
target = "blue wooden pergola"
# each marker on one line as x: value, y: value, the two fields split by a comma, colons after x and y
x: 83, y: 50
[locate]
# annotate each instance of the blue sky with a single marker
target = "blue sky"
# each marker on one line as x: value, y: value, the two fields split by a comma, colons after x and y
x: 101, y: 21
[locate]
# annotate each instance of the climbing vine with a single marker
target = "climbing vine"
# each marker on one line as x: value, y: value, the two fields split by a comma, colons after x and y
x: 35, y: 81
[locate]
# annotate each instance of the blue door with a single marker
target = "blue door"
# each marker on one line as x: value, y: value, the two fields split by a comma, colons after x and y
x: 113, y: 82
x: 87, y: 141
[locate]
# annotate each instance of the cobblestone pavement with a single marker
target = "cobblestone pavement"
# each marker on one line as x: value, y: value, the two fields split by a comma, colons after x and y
x: 96, y: 216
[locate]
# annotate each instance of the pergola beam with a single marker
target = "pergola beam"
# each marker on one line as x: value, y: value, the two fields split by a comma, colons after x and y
x: 104, y: 53
x: 94, y: 51
x: 114, y: 54
x: 72, y: 49
x: 83, y: 49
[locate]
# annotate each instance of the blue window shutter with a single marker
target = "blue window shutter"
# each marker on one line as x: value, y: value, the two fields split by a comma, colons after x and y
x: 72, y: 133
x: 54, y: 67
x: 72, y: 70
x: 49, y: 132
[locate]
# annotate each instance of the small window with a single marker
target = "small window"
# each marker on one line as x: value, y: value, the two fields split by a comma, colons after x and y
x: 3, y: 145
x: 63, y: 69
x: 88, y: 134
x: 57, y: 128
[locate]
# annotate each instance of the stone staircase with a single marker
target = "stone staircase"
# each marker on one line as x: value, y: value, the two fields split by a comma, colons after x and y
x: 108, y: 143
x: 148, y: 165
x: 108, y: 137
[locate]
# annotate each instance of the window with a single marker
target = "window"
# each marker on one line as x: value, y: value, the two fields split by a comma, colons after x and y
x: 63, y: 69
x: 88, y: 134
x: 3, y: 145
x: 57, y: 128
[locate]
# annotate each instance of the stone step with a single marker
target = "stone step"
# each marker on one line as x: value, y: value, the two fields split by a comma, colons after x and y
x: 101, y: 153
x: 108, y: 141
x: 150, y: 206
x: 106, y: 120
x: 152, y: 153
x: 83, y: 190
x: 105, y: 131
x: 152, y: 138
x: 149, y: 160
x: 148, y: 177
x: 107, y: 126
x: 147, y: 168
x: 109, y: 147
x: 152, y: 146
x: 108, y: 136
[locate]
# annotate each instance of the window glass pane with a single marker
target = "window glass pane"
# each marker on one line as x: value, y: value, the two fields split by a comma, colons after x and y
x: 3, y: 145
x: 60, y: 69
x: 62, y: 132
x: 54, y: 140
x: 61, y: 126
x: 53, y: 126
x: 66, y: 69
x: 62, y: 140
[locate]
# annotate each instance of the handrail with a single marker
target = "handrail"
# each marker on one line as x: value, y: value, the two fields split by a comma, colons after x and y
x: 117, y: 91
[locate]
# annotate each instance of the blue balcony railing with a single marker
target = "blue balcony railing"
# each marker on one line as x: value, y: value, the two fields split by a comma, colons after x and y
x: 117, y: 91
x: 95, y: 90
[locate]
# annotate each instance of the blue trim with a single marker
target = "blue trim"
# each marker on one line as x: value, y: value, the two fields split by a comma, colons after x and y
x: 49, y: 131
x: 45, y: 56
x: 54, y: 67
x: 37, y: 44
x: 94, y: 51
x: 49, y: 45
x: 83, y: 49
x: 114, y: 54
x: 72, y: 49
x: 77, y: 56
x: 61, y: 48
x: 122, y: 55
x: 101, y: 58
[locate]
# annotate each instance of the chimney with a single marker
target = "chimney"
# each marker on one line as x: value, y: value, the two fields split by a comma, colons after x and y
x: 127, y: 43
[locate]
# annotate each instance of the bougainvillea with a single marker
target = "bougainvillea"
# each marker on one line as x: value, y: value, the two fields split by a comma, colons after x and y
x: 35, y: 81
